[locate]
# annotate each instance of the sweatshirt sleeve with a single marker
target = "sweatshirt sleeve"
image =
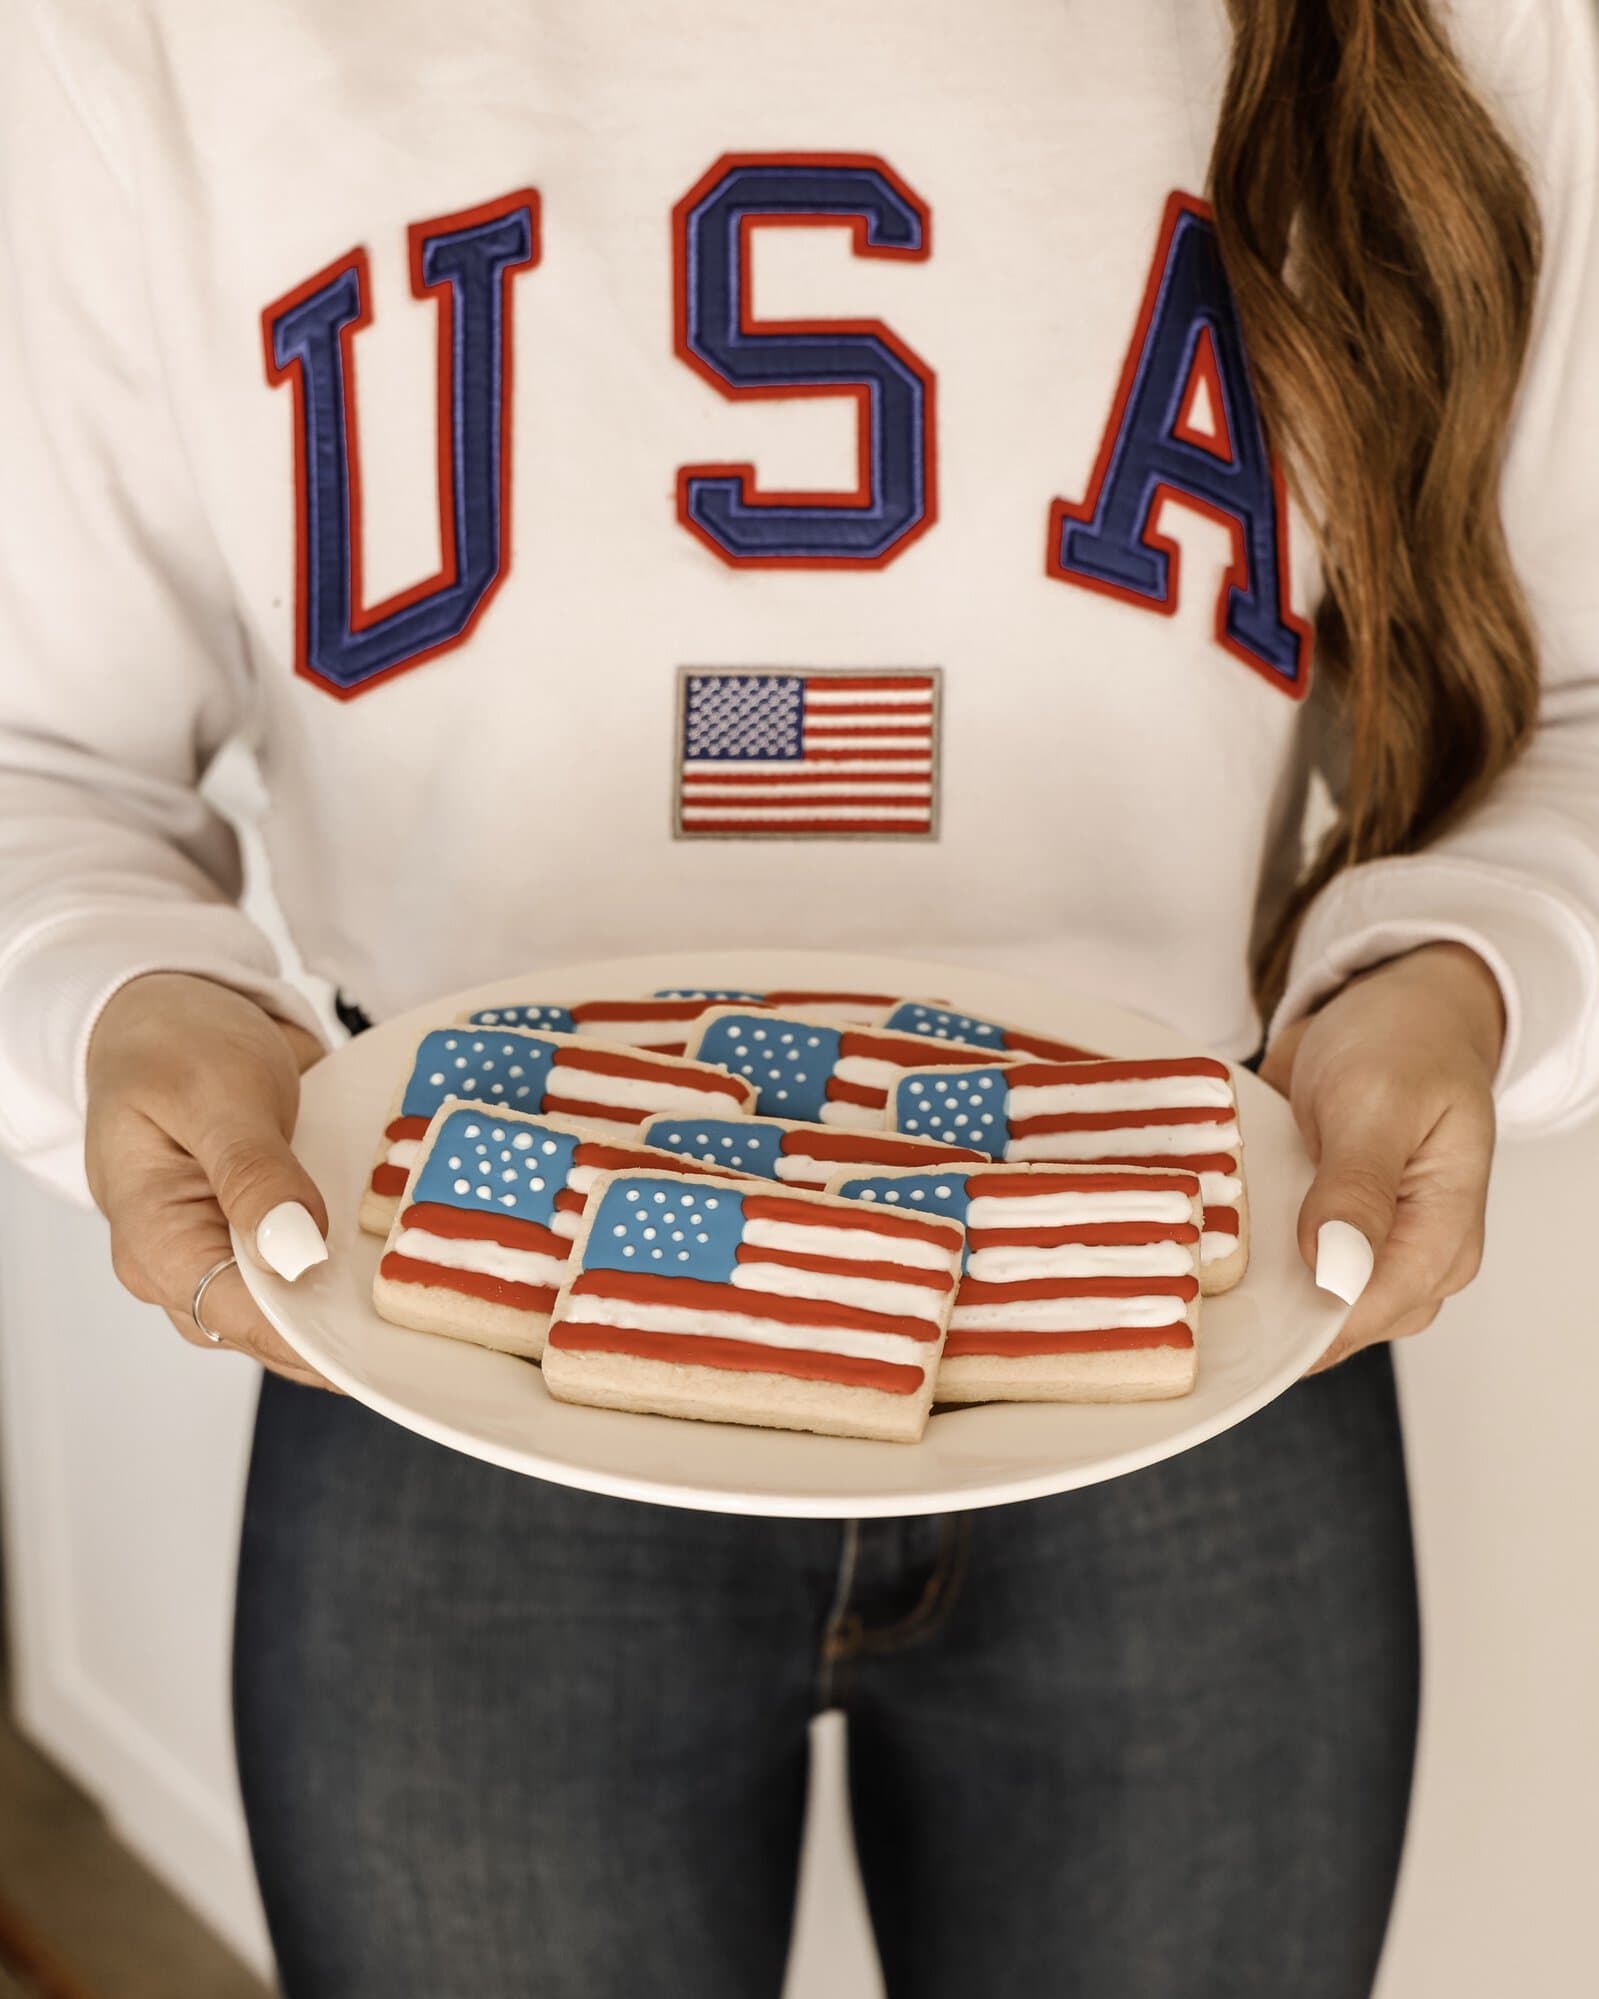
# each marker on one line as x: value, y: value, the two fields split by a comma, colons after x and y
x: 121, y: 665
x: 1518, y: 880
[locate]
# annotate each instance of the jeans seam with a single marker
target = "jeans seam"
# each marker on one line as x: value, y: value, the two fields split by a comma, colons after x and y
x: 832, y: 1648
x: 932, y: 1609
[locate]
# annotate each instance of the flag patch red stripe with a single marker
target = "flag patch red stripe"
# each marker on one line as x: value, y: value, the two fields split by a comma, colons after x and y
x: 470, y: 1283
x: 1114, y: 1339
x: 843, y: 1266
x: 870, y: 1221
x: 972, y: 1292
x: 466, y: 1224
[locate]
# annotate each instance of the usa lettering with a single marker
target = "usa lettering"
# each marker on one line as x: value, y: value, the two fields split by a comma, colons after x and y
x: 1183, y: 427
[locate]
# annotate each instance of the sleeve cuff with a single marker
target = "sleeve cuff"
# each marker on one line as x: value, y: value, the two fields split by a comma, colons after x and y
x: 1541, y: 949
x: 57, y: 981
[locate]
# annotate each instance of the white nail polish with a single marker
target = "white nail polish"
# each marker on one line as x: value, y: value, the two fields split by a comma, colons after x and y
x: 1343, y: 1260
x: 289, y: 1241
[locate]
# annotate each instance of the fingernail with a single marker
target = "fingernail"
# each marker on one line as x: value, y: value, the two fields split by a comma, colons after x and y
x: 1343, y: 1260
x: 289, y: 1241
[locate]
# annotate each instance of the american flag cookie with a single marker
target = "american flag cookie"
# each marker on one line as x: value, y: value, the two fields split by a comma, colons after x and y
x: 800, y: 1155
x: 1079, y: 1283
x: 612, y: 1089
x: 664, y: 1020
x: 710, y: 1298
x: 480, y: 1240
x: 802, y: 1067
x: 1177, y: 1112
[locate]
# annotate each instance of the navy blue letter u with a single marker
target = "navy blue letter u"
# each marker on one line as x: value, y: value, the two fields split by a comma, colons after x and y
x: 1188, y: 337
x: 466, y: 262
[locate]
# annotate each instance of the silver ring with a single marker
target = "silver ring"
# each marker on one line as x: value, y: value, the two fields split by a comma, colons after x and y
x: 215, y: 1271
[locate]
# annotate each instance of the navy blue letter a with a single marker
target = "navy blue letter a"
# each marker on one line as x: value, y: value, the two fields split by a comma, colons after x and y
x: 466, y: 262
x: 1188, y: 341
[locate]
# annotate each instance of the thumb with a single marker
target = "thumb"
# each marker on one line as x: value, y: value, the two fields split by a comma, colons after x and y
x: 1349, y: 1211
x: 265, y: 1192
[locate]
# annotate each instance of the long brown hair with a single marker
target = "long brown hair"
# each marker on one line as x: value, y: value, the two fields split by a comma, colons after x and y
x: 1382, y: 239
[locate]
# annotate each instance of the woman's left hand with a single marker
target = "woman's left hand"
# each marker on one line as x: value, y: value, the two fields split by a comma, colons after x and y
x: 1391, y: 1085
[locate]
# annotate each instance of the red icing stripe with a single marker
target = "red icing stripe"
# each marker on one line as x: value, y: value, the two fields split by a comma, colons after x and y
x: 640, y: 1158
x: 406, y: 1127
x: 690, y: 1294
x: 389, y: 1180
x: 471, y: 1283
x: 839, y: 1092
x: 641, y: 1069
x: 843, y: 1266
x: 1058, y: 1121
x: 1047, y: 1051
x: 1112, y: 1340
x: 1189, y: 1162
x: 831, y: 999
x: 1099, y: 1235
x: 913, y: 1051
x: 471, y: 1225
x: 570, y: 1202
x: 603, y: 1010
x: 606, y: 1113
x: 874, y: 1220
x: 870, y: 1148
x: 973, y: 1292
x: 739, y: 1357
x: 1013, y: 1186
x: 1040, y: 1074
x: 1221, y: 1221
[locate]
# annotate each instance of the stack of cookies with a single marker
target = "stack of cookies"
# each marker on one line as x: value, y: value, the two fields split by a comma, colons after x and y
x: 807, y: 1210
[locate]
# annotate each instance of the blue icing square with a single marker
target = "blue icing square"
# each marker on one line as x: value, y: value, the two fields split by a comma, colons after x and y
x: 936, y: 1193
x: 478, y: 1063
x: 788, y: 1061
x: 478, y: 1161
x: 666, y: 1228
x: 741, y: 1143
x: 939, y: 1024
x: 531, y: 1013
x: 955, y: 1106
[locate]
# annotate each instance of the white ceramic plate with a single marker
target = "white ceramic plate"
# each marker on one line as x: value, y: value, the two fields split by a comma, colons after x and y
x: 1254, y: 1341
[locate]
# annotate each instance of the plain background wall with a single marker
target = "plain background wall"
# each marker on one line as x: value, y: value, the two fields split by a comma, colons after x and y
x: 123, y: 1457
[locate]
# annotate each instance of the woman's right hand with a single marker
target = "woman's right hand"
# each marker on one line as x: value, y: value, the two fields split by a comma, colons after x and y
x: 192, y: 1092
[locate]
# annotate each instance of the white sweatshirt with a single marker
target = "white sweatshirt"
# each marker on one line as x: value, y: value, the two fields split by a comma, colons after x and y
x: 806, y: 491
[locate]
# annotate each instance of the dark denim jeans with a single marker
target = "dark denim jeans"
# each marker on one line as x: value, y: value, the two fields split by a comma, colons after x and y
x: 1148, y: 1741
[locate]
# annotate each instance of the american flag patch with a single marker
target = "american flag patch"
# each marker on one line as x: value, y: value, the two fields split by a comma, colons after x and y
x: 716, y: 1275
x: 807, y: 753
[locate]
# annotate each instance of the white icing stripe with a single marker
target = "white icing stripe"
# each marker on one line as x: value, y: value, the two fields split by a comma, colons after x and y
x: 868, y: 1294
x: 1221, y: 1190
x: 1015, y: 1266
x: 1125, y: 1142
x: 804, y: 1171
x: 564, y: 1224
x: 641, y: 1033
x: 1065, y: 1315
x: 867, y: 1072
x: 403, y: 1152
x: 899, y: 1347
x: 854, y: 1117
x: 592, y: 1086
x: 1214, y: 1247
x: 488, y: 1259
x: 1166, y: 1093
x: 1048, y: 1211
x: 922, y: 1253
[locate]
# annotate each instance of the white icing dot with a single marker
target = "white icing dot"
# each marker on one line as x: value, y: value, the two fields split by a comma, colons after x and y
x: 509, y: 1173
x: 523, y: 1090
x: 917, y: 1194
x: 522, y: 1140
x: 474, y: 1130
x: 437, y: 1076
x: 782, y: 1096
x: 785, y: 1038
x: 704, y: 1139
x: 656, y: 1252
x: 627, y: 1249
x: 515, y: 1069
x: 460, y: 1061
x: 659, y: 1195
x: 891, y: 1195
x: 649, y: 1235
x: 549, y: 1148
x: 535, y: 1183
x: 507, y: 1200
x: 497, y: 1133
x: 728, y: 1142
x: 484, y: 1193
x: 455, y: 1165
x: 710, y: 1204
x: 682, y: 1256
x: 463, y: 1186
x: 942, y: 1193
x: 800, y: 1077
x: 868, y: 1194
x: 757, y: 1033
x: 915, y: 1089
x: 677, y: 1235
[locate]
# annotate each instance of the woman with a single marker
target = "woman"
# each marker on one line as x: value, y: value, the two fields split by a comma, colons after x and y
x: 789, y: 339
